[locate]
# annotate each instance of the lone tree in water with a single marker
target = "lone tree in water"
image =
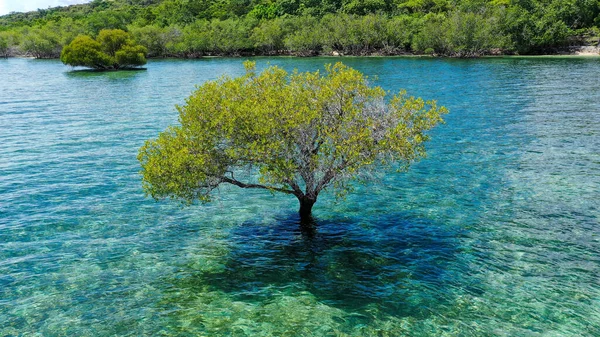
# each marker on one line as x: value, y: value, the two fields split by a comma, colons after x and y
x: 296, y: 133
x: 112, y: 49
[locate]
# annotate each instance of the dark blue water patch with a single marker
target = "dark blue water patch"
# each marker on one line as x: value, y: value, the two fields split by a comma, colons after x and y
x: 394, y: 261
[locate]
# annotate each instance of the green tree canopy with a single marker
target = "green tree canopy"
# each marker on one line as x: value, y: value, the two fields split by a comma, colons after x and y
x: 297, y: 133
x: 84, y: 51
x: 4, y: 45
x: 113, y: 40
x: 194, y: 28
x: 112, y: 49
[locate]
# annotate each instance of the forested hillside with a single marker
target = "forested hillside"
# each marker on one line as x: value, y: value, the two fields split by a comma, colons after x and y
x: 195, y: 28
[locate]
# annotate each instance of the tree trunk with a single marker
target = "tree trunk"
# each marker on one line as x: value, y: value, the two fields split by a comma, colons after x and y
x: 306, y: 205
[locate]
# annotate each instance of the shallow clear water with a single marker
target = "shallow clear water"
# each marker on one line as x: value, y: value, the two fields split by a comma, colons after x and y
x: 496, y: 233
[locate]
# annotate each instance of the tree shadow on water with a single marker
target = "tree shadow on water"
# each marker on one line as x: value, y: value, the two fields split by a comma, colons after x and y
x: 111, y: 75
x: 397, y: 264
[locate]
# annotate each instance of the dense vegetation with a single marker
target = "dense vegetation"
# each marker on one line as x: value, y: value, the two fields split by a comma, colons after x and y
x: 298, y: 133
x: 111, y: 50
x: 193, y: 28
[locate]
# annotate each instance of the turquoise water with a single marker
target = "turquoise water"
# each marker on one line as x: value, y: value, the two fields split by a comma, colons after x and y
x: 496, y: 233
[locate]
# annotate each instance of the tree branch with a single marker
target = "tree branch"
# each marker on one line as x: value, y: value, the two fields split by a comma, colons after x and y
x: 244, y: 185
x: 330, y: 174
x: 295, y: 187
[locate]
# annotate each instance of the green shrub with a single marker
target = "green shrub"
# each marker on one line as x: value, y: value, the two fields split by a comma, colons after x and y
x: 112, y: 49
x: 85, y: 52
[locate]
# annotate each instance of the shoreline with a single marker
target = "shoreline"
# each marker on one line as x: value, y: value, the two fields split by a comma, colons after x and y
x: 573, y: 52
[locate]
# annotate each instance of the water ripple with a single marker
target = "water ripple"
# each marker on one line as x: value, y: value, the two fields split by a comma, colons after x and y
x: 496, y: 233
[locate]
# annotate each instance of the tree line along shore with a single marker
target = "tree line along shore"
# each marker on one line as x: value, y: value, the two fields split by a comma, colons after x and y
x: 198, y: 28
